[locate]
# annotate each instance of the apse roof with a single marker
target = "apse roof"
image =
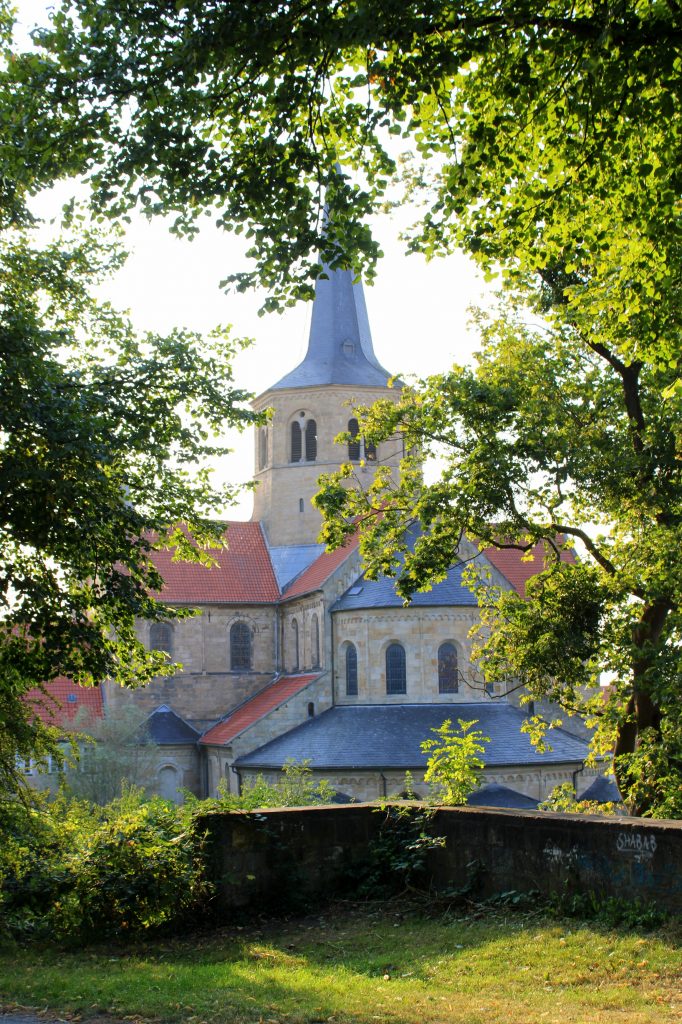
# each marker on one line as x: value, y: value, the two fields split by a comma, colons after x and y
x: 373, y: 736
x: 340, y: 349
x: 381, y: 593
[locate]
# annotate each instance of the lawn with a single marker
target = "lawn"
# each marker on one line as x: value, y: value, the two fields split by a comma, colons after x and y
x: 363, y: 965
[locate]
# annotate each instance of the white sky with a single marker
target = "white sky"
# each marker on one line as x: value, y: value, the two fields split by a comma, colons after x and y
x: 417, y: 310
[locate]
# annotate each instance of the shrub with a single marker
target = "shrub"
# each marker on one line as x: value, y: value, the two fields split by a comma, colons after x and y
x: 69, y: 868
x: 454, y: 767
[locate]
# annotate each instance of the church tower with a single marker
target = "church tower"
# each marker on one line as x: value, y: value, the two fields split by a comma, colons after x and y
x: 314, y: 403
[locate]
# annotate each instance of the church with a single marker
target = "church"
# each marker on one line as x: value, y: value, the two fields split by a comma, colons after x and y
x: 293, y: 654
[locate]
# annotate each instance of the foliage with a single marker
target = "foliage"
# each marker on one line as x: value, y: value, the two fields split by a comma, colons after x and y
x: 69, y: 868
x: 548, y: 139
x: 398, y: 858
x: 454, y: 766
x: 105, y: 440
x: 296, y: 788
x: 563, y: 799
x: 115, y: 753
x: 550, y: 441
x: 546, y: 142
x: 610, y: 911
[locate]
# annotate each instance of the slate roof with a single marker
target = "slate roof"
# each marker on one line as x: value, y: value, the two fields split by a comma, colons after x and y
x: 603, y: 790
x: 290, y: 561
x: 389, y: 736
x: 62, y: 701
x: 381, y: 593
x: 495, y: 795
x: 165, y: 727
x: 321, y: 569
x: 340, y: 349
x: 256, y: 707
x: 243, y: 574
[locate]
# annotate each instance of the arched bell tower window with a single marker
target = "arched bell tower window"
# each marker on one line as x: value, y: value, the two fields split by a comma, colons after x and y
x: 310, y: 441
x: 448, y: 676
x: 359, y: 450
x: 296, y: 442
x: 354, y: 444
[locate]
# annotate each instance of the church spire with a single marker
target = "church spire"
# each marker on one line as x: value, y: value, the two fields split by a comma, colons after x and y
x: 340, y: 349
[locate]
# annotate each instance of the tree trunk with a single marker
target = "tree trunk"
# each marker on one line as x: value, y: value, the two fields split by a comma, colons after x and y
x: 641, y: 711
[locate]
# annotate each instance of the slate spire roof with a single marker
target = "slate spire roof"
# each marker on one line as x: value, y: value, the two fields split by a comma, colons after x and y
x: 340, y: 349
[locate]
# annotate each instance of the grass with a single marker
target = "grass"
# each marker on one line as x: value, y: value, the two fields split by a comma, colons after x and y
x: 352, y: 966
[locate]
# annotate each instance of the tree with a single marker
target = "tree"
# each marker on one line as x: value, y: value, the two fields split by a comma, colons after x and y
x: 105, y: 445
x: 454, y: 766
x: 538, y: 446
x: 547, y: 143
x: 115, y: 754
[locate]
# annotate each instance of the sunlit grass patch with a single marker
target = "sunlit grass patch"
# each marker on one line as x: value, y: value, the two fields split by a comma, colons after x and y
x: 353, y: 966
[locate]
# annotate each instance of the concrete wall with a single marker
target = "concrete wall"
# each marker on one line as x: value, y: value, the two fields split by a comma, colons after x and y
x: 255, y: 858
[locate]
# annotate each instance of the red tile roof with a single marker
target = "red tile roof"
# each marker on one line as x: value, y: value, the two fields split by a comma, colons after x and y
x: 249, y: 712
x: 62, y: 700
x: 510, y: 563
x: 321, y: 569
x: 243, y: 572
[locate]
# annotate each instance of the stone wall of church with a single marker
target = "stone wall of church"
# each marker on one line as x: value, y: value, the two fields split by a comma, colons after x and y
x: 206, y: 688
x: 304, y: 643
x: 420, y: 631
x: 285, y: 487
x: 536, y: 783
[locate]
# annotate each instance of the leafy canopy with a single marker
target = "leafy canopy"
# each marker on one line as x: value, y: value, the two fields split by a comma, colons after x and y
x: 547, y: 143
x: 106, y: 441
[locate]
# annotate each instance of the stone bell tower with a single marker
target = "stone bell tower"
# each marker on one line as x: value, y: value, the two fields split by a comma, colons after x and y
x: 311, y: 405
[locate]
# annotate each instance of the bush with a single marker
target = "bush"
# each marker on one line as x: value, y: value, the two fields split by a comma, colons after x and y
x: 72, y: 869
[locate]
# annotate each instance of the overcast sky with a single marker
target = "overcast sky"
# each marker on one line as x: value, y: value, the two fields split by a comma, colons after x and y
x: 417, y: 310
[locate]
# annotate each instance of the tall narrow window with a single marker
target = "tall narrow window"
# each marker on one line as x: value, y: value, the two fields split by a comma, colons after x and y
x: 240, y: 647
x: 161, y: 638
x: 294, y: 630
x: 396, y: 677
x: 316, y: 641
x: 370, y: 452
x: 351, y: 671
x: 354, y: 444
x: 263, y: 448
x: 448, y: 675
x: 296, y: 442
x: 310, y: 441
